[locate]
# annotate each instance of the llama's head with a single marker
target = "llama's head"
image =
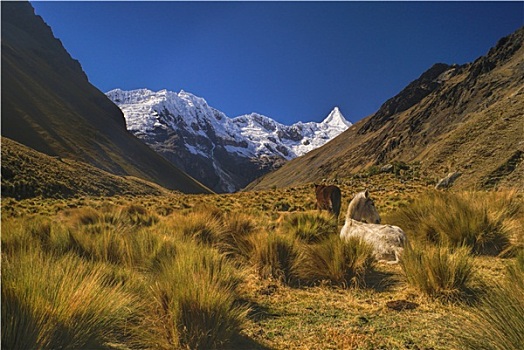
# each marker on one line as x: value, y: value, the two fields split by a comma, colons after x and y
x: 362, y: 208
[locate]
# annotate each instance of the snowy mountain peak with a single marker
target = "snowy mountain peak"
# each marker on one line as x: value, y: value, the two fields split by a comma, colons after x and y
x: 223, y: 153
x: 336, y: 119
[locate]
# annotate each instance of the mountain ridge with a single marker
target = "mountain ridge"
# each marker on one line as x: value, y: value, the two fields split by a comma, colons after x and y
x: 224, y: 153
x: 466, y: 118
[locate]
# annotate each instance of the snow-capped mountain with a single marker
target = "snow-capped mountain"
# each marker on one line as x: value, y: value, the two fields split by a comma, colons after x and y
x: 289, y: 141
x: 221, y: 152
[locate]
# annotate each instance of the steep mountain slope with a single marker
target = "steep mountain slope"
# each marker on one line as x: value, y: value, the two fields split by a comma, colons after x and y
x: 466, y: 118
x: 49, y: 105
x: 223, y: 153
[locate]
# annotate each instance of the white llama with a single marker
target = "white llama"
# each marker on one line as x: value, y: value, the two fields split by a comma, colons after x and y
x: 363, y: 221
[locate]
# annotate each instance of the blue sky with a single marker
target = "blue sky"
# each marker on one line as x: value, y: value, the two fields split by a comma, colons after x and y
x: 290, y: 61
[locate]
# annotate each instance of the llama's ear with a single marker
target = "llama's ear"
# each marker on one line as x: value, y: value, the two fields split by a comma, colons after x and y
x: 366, y: 193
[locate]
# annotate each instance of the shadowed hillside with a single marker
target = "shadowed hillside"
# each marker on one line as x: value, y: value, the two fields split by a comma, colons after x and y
x: 27, y: 173
x: 48, y: 104
x: 467, y: 118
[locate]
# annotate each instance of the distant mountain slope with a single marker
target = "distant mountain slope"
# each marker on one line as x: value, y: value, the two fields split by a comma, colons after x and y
x: 49, y: 105
x: 223, y: 153
x: 466, y: 118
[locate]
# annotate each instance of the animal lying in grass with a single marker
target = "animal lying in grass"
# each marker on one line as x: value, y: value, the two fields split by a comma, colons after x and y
x: 328, y: 198
x: 363, y: 221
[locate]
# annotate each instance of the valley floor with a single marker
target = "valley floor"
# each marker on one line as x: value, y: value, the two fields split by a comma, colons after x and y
x: 324, y: 317
x: 383, y: 311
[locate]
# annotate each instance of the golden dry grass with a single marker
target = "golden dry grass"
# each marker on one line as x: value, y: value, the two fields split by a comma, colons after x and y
x: 383, y: 311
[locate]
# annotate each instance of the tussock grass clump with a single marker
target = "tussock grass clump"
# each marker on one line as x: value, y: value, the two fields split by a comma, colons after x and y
x: 137, y: 215
x: 455, y: 220
x: 240, y: 224
x: 60, y: 303
x: 16, y: 236
x: 135, y: 249
x: 310, y: 227
x: 195, y: 300
x: 84, y: 216
x: 202, y: 226
x: 95, y: 221
x: 342, y: 263
x: 22, y: 235
x: 439, y: 272
x: 282, y: 205
x: 516, y: 271
x: 497, y: 323
x: 235, y: 241
x: 274, y: 256
x: 48, y: 293
x: 121, y: 236
x: 229, y: 232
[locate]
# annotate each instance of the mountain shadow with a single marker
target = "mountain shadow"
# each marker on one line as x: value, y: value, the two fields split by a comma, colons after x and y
x: 49, y: 105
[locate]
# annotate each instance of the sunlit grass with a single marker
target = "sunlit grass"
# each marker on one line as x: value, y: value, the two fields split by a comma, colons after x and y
x: 439, y: 272
x: 483, y: 223
x: 60, y: 302
x: 236, y: 239
x: 342, y: 263
x: 195, y: 299
x: 201, y: 226
x: 274, y: 256
x: 242, y: 250
x: 497, y: 323
x: 310, y: 227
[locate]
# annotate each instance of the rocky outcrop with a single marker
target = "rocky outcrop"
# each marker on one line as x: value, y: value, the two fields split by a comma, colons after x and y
x: 448, y: 181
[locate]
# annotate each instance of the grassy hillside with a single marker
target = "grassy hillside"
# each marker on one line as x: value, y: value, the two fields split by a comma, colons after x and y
x: 237, y: 271
x: 27, y: 173
x: 453, y: 118
x: 49, y: 105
